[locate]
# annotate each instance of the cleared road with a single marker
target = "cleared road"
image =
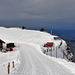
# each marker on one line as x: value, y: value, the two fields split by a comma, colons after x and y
x: 35, y: 63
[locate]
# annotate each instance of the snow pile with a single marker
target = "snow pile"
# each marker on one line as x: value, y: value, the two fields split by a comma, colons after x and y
x: 69, y: 65
x: 9, y: 57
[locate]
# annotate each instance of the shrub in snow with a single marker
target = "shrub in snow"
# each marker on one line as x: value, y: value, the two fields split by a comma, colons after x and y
x: 23, y: 27
x: 42, y: 29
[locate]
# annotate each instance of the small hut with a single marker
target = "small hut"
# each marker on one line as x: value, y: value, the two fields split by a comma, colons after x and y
x: 1, y: 44
x: 49, y: 44
x: 10, y: 45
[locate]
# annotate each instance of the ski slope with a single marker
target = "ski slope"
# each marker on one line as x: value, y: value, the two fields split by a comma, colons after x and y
x: 35, y: 63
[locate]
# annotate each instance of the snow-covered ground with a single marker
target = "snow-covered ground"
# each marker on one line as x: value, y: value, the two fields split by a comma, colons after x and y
x: 28, y: 56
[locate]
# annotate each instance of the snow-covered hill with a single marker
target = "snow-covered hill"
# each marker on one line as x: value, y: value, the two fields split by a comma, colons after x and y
x: 18, y: 35
x: 33, y: 61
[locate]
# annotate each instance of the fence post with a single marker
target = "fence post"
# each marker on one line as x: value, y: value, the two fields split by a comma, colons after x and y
x: 51, y: 51
x: 47, y: 50
x: 13, y: 64
x: 56, y: 52
x: 8, y: 67
x: 63, y: 54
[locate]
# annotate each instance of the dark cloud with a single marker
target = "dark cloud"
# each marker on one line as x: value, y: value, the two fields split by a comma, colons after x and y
x: 38, y: 10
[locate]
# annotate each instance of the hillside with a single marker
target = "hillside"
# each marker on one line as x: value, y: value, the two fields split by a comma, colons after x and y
x: 29, y: 48
x: 18, y: 35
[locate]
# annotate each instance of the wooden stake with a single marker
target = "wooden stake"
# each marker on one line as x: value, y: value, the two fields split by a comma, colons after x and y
x: 44, y: 51
x: 47, y: 50
x: 13, y: 64
x: 8, y: 67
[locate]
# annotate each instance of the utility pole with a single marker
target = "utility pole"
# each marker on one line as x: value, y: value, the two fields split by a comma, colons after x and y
x: 51, y: 32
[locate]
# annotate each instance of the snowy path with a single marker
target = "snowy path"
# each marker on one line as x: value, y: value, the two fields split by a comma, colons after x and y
x: 35, y: 63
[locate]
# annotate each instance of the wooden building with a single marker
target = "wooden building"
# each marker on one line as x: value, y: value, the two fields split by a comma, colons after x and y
x: 1, y: 44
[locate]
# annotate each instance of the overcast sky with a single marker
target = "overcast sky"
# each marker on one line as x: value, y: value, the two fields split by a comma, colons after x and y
x: 38, y: 13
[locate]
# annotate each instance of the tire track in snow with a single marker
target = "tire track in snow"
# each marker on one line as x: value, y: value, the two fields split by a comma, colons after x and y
x: 55, y: 67
x: 34, y: 63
